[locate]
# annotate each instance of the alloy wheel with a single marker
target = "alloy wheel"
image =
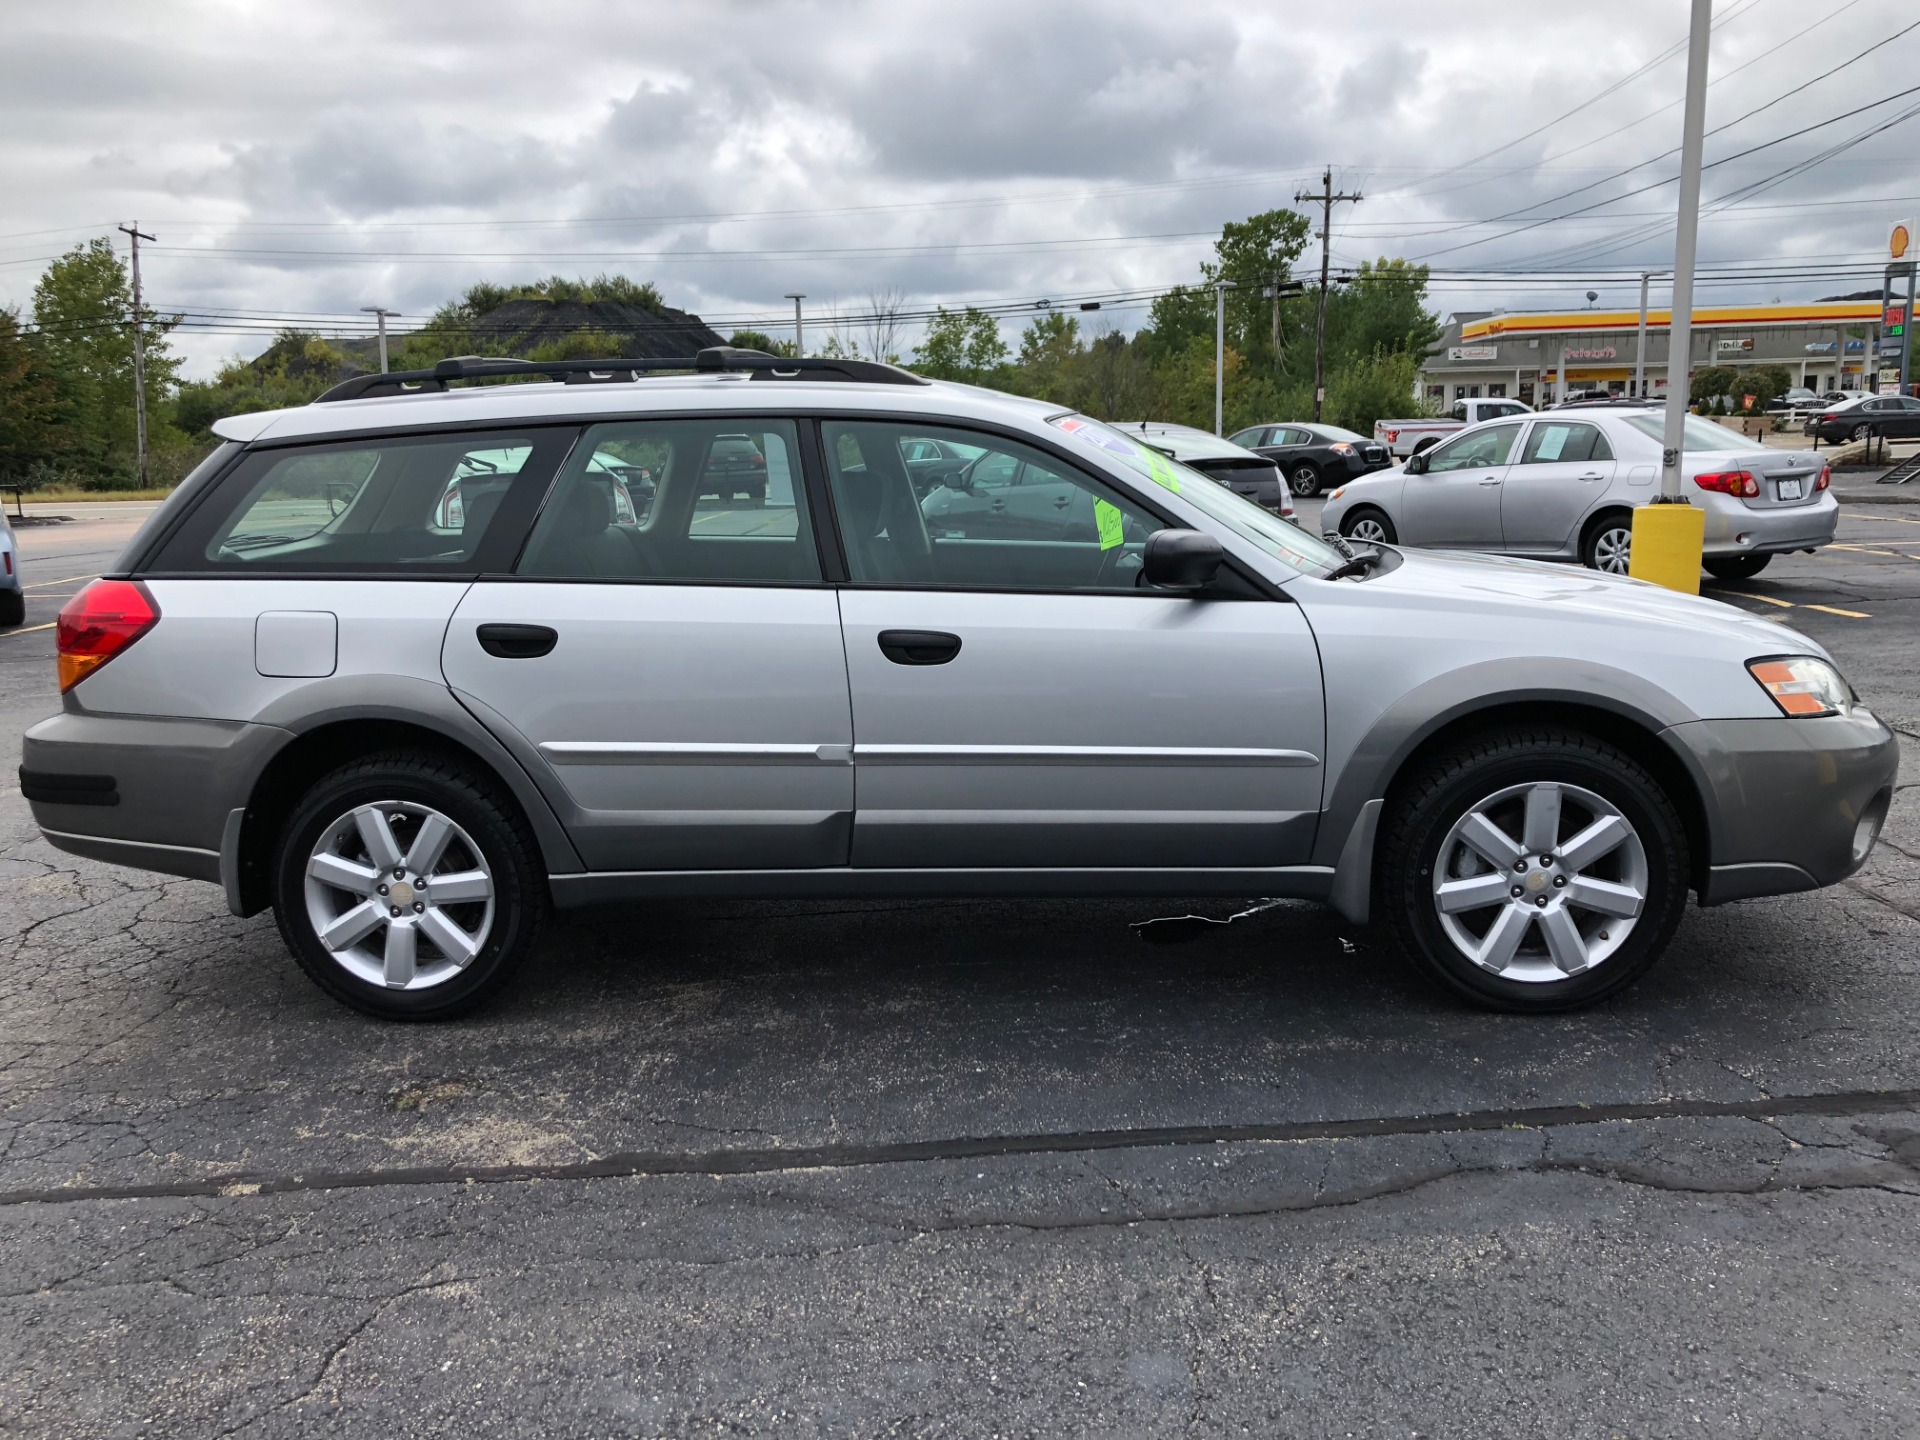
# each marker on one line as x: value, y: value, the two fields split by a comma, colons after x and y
x: 1613, y: 549
x: 1369, y: 530
x: 399, y: 895
x: 1539, y: 882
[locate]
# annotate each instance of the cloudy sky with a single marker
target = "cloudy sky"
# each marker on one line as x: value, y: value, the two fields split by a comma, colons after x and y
x: 300, y: 161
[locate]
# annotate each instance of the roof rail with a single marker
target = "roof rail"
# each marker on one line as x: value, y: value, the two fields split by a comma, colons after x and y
x: 755, y: 363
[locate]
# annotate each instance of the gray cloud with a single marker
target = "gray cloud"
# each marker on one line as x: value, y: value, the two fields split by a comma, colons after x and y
x: 420, y: 149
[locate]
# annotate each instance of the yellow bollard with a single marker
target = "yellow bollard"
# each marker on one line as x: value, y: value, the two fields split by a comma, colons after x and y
x: 1667, y: 545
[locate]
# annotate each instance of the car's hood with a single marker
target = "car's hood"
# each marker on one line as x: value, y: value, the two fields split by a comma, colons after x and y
x: 1537, y: 589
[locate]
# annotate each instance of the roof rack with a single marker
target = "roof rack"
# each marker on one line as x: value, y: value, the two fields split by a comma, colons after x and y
x: 757, y: 364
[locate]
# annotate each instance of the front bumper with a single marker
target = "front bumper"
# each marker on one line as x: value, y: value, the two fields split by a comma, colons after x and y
x: 156, y: 794
x: 1786, y: 800
x: 1734, y: 529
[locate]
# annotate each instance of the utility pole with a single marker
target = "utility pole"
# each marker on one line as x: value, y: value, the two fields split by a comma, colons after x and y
x: 381, y: 313
x: 1220, y: 288
x: 136, y: 234
x: 799, y: 335
x: 1640, y: 343
x: 1326, y: 200
x: 1667, y: 534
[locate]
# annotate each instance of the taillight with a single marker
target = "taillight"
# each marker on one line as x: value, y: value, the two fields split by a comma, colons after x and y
x: 7, y: 555
x: 98, y: 623
x: 1827, y: 419
x: 1729, y: 482
x: 759, y: 462
x: 1826, y: 479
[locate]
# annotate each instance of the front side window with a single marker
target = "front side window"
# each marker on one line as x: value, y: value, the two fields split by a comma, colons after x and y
x: 449, y: 502
x: 1279, y: 538
x: 1554, y: 441
x: 1001, y: 515
x: 667, y: 500
x: 1477, y: 449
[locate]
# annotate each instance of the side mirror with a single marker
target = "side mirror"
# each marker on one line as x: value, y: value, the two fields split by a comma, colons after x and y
x: 1180, y: 559
x: 1416, y: 464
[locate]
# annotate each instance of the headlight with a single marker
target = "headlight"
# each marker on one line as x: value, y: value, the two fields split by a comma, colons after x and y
x: 1802, y: 686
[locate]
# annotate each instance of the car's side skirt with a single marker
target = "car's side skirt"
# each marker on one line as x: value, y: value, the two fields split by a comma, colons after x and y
x: 1302, y: 882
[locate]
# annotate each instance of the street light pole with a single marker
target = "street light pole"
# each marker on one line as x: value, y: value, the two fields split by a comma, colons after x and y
x: 1668, y: 534
x: 1640, y: 343
x: 381, y: 313
x: 1220, y: 288
x: 799, y: 334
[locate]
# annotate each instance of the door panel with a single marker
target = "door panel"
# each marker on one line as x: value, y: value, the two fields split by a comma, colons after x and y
x: 1455, y: 502
x: 1560, y: 474
x: 1084, y: 730
x: 676, y: 726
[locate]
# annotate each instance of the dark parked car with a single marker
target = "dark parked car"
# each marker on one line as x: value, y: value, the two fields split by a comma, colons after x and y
x: 735, y: 466
x: 1257, y: 477
x: 1894, y: 417
x: 1314, y: 457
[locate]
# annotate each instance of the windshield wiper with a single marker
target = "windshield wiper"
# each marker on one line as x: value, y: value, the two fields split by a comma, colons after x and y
x: 1358, y: 566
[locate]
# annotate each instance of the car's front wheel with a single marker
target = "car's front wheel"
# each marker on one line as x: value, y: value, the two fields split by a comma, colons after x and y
x: 1608, y: 544
x: 1535, y: 869
x: 1736, y: 567
x: 1368, y: 524
x: 408, y: 886
x: 1303, y: 481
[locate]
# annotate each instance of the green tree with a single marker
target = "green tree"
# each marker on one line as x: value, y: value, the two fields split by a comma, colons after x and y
x: 33, y: 415
x: 83, y: 319
x: 760, y: 340
x: 962, y: 346
x: 1381, y: 385
x: 1049, y: 352
x: 1254, y: 254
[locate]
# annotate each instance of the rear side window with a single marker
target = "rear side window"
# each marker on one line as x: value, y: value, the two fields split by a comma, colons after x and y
x: 1555, y: 441
x: 445, y: 503
x: 665, y: 500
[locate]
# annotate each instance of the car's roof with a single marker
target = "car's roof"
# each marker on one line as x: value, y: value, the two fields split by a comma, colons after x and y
x: 672, y: 394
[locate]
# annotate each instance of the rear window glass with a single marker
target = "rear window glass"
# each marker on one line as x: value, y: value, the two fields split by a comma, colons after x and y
x: 1696, y: 434
x: 401, y: 504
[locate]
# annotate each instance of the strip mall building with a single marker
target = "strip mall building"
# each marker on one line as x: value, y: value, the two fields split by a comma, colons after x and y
x: 1540, y: 358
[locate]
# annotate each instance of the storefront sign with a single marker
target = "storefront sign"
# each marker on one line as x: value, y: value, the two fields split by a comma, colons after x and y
x: 1596, y: 352
x: 1726, y: 345
x: 1473, y: 352
x: 1820, y: 347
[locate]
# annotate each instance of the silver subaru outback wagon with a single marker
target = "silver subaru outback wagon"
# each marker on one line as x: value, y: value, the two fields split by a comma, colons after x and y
x: 413, y: 728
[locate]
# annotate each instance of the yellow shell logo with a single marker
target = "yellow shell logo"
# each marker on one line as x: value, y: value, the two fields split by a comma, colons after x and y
x: 1901, y: 241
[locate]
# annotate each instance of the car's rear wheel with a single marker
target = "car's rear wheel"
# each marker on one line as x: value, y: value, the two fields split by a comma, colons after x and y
x: 1608, y: 544
x: 13, y: 609
x: 1736, y: 567
x: 1303, y: 481
x: 1860, y: 432
x: 1368, y: 524
x: 408, y: 886
x: 1534, y: 870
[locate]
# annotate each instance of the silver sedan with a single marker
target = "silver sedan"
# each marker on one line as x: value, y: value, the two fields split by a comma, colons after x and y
x: 1563, y: 486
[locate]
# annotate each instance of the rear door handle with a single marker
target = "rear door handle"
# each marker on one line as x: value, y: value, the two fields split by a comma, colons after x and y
x: 1592, y: 475
x: 518, y: 642
x: 919, y: 647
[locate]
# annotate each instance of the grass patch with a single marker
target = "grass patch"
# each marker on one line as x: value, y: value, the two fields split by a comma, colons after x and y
x: 74, y: 495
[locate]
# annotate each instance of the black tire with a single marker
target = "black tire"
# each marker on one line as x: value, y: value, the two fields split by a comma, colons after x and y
x: 1304, y: 481
x: 501, y: 841
x: 1353, y: 518
x: 13, y: 608
x: 1602, y: 541
x: 1422, y: 813
x: 1736, y: 567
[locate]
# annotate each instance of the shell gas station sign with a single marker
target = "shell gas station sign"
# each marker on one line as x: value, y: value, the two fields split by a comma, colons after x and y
x: 1900, y: 241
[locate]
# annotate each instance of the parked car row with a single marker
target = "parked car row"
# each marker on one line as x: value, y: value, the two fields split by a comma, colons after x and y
x: 1086, y: 667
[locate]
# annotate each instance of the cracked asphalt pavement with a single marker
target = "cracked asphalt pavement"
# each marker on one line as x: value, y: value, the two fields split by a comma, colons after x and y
x: 963, y: 1169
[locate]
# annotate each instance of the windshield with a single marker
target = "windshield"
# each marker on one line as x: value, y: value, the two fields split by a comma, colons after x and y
x: 1696, y: 435
x: 1281, y: 539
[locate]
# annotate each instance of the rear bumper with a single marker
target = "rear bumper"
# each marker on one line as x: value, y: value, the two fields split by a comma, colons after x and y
x: 155, y: 794
x: 1734, y: 529
x: 1785, y: 800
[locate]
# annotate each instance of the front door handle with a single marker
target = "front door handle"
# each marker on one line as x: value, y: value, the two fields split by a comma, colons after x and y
x: 518, y: 642
x: 1491, y: 480
x: 919, y: 647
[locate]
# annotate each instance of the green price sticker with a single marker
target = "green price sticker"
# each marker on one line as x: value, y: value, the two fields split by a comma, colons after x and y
x: 1113, y: 525
x: 1161, y: 471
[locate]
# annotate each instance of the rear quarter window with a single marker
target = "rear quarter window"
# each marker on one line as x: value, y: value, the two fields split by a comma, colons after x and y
x: 446, y: 503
